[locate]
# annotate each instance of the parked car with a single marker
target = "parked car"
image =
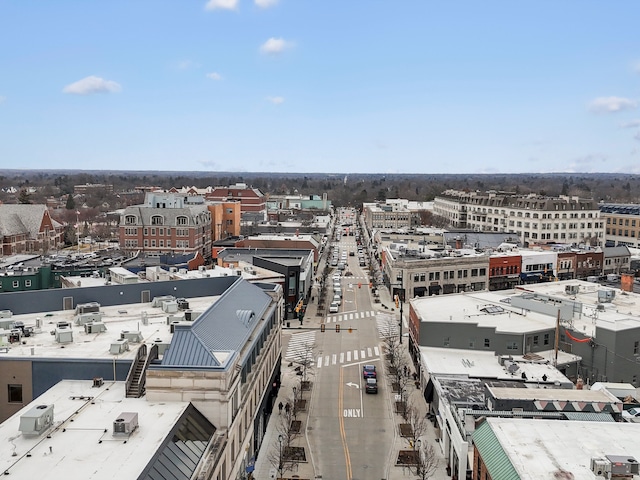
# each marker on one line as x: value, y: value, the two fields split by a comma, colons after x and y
x: 369, y: 371
x: 371, y: 385
x: 632, y: 415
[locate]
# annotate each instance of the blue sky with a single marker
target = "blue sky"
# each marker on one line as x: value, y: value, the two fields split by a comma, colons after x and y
x: 413, y: 86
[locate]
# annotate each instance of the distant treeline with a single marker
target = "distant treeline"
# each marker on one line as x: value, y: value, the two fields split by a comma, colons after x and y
x: 341, y: 189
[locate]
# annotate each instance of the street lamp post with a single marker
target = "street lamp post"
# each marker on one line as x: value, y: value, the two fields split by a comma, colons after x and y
x: 295, y: 402
x: 78, y: 228
x: 418, y: 457
x: 400, y: 298
x: 280, y: 457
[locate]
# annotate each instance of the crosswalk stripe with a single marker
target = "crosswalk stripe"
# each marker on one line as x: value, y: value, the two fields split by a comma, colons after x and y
x: 355, y: 354
x: 341, y: 357
x: 369, y: 351
x: 376, y: 350
x: 334, y: 357
x: 319, y: 362
x: 362, y: 353
x: 326, y: 360
x: 349, y: 356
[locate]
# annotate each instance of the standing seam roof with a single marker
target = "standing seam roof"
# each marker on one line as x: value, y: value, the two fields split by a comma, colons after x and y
x: 493, y: 455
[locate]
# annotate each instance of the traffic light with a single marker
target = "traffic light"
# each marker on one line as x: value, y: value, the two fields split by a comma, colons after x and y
x: 338, y: 328
x: 350, y: 330
x: 322, y: 327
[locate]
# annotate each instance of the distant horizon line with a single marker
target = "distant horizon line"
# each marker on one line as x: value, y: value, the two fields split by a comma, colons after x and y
x: 254, y: 173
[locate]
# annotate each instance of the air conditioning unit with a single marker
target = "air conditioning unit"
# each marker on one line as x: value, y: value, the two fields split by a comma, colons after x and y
x: 572, y: 289
x: 96, y: 327
x: 36, y: 420
x: 125, y: 424
x: 202, y: 268
x: 131, y: 336
x: 119, y: 346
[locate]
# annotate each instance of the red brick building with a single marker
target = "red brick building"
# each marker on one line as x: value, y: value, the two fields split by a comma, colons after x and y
x: 29, y: 229
x: 504, y: 270
x: 165, y: 224
x: 251, y: 199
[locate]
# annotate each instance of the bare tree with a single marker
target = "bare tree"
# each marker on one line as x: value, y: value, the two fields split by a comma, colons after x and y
x: 418, y: 423
x: 304, y: 358
x: 426, y: 460
x: 280, y: 456
x: 396, y: 359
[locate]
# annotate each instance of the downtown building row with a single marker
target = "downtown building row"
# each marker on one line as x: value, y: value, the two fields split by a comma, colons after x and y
x: 534, y: 219
x: 535, y: 353
x: 419, y: 267
x: 188, y: 383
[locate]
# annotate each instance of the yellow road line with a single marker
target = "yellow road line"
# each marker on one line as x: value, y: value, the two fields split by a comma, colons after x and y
x: 343, y: 434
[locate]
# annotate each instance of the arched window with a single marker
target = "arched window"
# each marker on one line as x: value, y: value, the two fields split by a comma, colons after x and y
x: 157, y: 220
x: 182, y: 220
x: 130, y: 220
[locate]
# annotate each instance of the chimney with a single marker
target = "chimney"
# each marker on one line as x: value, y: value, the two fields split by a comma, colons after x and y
x: 626, y: 282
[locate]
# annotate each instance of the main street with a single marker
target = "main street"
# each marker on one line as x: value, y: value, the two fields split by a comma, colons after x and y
x: 349, y: 431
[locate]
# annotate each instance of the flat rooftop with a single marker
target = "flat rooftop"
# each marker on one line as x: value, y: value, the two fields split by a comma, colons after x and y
x: 117, y: 319
x: 479, y: 364
x: 80, y: 444
x: 553, y: 394
x: 547, y: 448
x: 621, y: 313
x: 468, y: 308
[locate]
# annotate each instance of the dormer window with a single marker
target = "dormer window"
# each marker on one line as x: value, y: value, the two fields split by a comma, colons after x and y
x: 182, y: 220
x: 157, y: 220
x: 130, y: 220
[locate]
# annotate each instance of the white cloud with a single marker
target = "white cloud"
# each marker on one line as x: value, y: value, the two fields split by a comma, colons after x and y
x: 276, y: 100
x: 266, y: 3
x: 92, y: 84
x: 214, y: 76
x: 187, y: 64
x: 637, y: 136
x: 221, y: 5
x: 611, y: 104
x: 630, y: 124
x: 274, y: 46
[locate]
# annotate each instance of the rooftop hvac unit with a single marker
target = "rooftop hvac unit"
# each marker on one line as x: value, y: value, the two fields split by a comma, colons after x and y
x: 6, y: 324
x: 125, y: 424
x: 145, y: 318
x: 119, y: 346
x: 613, y: 466
x: 157, y: 301
x: 572, y: 289
x: 183, y: 304
x: 84, y: 318
x: 202, y: 268
x: 173, y: 269
x: 606, y: 296
x: 133, y: 337
x: 96, y: 327
x: 36, y: 420
x: 63, y: 333
x: 170, y: 306
x: 6, y: 313
x: 87, y: 308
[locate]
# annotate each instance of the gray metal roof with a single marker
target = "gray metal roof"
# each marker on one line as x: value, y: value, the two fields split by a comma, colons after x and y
x: 22, y: 218
x: 221, y: 331
x: 619, y: 251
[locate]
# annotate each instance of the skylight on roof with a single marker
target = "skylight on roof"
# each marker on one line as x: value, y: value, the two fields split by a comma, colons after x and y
x: 492, y: 309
